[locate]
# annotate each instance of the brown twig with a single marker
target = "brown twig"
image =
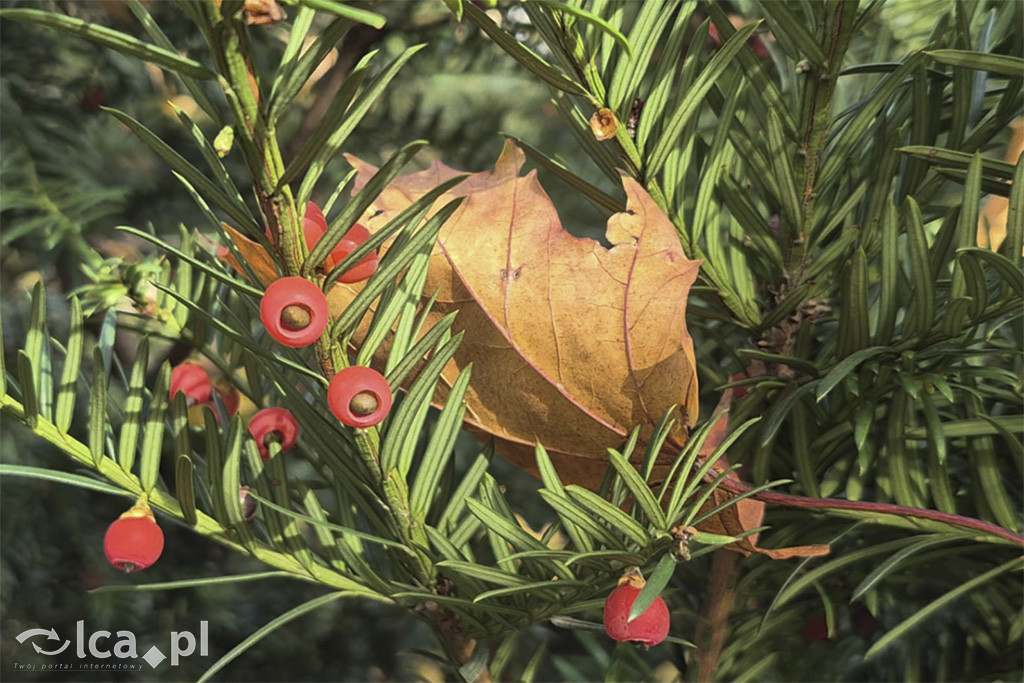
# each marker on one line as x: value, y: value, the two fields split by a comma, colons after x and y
x: 714, y: 627
x: 460, y: 647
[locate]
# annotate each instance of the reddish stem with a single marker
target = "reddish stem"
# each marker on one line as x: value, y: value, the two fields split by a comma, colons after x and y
x: 794, y: 501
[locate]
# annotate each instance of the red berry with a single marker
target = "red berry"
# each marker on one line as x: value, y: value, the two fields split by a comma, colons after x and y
x: 276, y: 423
x: 650, y: 628
x: 359, y: 396
x: 190, y: 378
x: 294, y: 311
x: 314, y: 225
x: 349, y: 243
x: 133, y: 542
x: 229, y: 394
x: 358, y: 233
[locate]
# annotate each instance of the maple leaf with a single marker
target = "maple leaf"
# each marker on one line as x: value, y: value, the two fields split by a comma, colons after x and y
x: 572, y: 343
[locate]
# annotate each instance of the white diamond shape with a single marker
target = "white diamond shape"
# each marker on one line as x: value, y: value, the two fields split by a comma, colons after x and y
x: 154, y: 657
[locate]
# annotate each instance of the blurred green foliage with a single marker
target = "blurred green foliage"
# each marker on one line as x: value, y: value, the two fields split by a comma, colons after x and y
x: 70, y: 173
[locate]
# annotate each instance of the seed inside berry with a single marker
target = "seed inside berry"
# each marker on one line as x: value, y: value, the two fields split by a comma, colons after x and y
x: 273, y: 425
x: 364, y: 403
x: 295, y: 317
